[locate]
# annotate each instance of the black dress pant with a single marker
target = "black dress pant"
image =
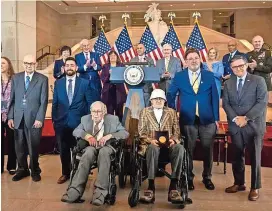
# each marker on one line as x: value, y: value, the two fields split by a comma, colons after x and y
x: 115, y: 106
x: 66, y: 142
x: 7, y: 135
x: 206, y: 134
x: 27, y: 141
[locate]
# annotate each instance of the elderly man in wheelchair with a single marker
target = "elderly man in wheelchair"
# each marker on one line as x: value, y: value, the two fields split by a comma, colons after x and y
x: 95, y: 133
x: 159, y: 131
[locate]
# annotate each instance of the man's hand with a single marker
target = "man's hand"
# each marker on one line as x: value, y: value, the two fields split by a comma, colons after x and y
x: 92, y: 141
x: 37, y: 124
x: 62, y: 69
x: 11, y: 124
x: 93, y: 64
x: 103, y: 140
x: 241, y: 121
x: 217, y: 125
x: 154, y: 142
x: 172, y: 142
x: 88, y: 64
x: 166, y: 75
x: 110, y: 71
x: 253, y: 64
x: 226, y: 77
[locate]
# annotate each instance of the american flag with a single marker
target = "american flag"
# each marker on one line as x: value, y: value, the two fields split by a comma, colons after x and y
x: 151, y: 47
x: 196, y: 41
x: 172, y: 38
x: 123, y: 46
x: 102, y: 47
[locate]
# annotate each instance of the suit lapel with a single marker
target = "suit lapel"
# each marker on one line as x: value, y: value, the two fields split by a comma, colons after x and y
x: 32, y: 83
x: 164, y: 118
x: 152, y: 118
x: 170, y: 63
x: 189, y: 82
x: 245, y: 86
x: 64, y: 90
x: 106, y: 126
x: 77, y: 85
x: 233, y: 85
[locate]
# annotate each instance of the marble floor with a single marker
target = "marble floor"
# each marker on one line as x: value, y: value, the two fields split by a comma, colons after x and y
x: 45, y: 195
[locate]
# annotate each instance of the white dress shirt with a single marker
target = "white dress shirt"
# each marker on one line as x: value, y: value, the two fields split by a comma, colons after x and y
x: 73, y: 83
x: 158, y: 114
x: 101, y: 130
x: 88, y: 57
x: 30, y: 76
x: 141, y: 58
x: 243, y: 81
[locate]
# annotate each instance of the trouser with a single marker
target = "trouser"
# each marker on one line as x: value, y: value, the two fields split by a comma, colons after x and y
x: 240, y: 141
x: 8, y: 135
x: 176, y: 154
x: 206, y: 134
x: 27, y: 140
x: 66, y: 142
x: 79, y: 181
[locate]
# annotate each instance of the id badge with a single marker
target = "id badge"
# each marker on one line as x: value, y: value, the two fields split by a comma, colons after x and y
x: 24, y: 103
x: 4, y: 105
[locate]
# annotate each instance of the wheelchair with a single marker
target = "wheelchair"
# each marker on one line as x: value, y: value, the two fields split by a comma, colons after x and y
x: 139, y: 174
x: 116, y: 168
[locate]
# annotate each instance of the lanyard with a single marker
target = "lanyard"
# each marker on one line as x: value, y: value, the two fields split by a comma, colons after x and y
x: 195, y: 80
x: 4, y: 89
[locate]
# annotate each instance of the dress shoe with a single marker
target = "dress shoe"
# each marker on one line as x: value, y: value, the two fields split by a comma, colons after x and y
x: 174, y: 197
x: 191, y: 185
x: 12, y: 172
x: 208, y: 184
x: 20, y: 175
x: 36, y: 177
x: 148, y: 197
x: 63, y: 179
x: 253, y: 195
x: 235, y: 188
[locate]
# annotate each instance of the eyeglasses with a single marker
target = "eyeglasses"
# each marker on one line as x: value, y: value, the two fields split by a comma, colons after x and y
x: 29, y: 64
x: 238, y: 67
x: 96, y: 112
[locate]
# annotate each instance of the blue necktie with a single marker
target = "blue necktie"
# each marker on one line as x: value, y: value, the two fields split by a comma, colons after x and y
x: 240, y: 86
x: 70, y: 91
x: 27, y: 82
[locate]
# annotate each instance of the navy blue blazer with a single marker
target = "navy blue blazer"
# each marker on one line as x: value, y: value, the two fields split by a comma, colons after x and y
x: 57, y: 69
x: 226, y: 62
x: 207, y: 97
x: 65, y: 115
x: 90, y: 73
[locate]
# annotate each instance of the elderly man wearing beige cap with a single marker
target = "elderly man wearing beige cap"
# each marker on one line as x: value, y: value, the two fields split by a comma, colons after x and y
x: 154, y: 120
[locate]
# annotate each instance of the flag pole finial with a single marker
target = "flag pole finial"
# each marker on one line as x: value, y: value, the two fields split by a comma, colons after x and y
x: 171, y: 15
x: 196, y: 15
x: 102, y: 18
x: 125, y: 16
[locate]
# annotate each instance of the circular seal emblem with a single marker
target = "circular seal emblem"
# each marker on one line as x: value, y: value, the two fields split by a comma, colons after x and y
x: 162, y: 139
x: 134, y: 75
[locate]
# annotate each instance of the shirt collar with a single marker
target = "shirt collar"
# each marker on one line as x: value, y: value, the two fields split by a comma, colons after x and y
x: 30, y: 76
x: 70, y: 77
x: 233, y: 53
x: 191, y: 72
x: 100, y: 123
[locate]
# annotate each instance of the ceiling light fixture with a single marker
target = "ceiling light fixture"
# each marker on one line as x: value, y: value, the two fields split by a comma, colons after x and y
x: 60, y: 4
x: 193, y: 4
x: 171, y: 5
x: 220, y: 13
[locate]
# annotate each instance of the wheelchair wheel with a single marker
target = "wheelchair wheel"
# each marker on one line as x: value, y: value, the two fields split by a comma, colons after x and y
x: 122, y: 174
x: 133, y: 197
x: 112, y: 194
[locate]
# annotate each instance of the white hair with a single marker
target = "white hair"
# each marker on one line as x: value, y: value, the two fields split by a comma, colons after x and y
x: 84, y: 40
x: 103, y: 106
x: 167, y: 44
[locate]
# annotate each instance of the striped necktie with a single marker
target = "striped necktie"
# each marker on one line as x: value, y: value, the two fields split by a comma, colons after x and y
x: 27, y: 82
x: 195, y: 88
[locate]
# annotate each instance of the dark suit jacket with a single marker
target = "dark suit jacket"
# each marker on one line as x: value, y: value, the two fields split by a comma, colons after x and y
x: 207, y: 97
x: 108, y: 87
x: 57, y: 69
x: 226, y: 62
x: 36, y: 99
x: 90, y: 73
x: 65, y: 115
x: 252, y: 102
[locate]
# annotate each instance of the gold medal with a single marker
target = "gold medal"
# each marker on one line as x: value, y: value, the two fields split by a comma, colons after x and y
x: 162, y: 139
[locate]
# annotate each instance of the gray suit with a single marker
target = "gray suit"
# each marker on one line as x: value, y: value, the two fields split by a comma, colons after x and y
x: 147, y: 87
x: 91, y: 154
x: 173, y: 67
x: 24, y: 117
x: 252, y: 104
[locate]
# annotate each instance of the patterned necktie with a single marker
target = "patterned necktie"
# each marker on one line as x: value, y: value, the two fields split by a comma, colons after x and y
x: 166, y: 64
x: 230, y: 56
x: 240, y: 86
x: 27, y: 82
x: 195, y: 88
x: 96, y: 129
x: 70, y: 91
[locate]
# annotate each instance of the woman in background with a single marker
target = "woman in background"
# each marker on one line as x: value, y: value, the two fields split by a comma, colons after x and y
x: 113, y: 95
x: 7, y: 133
x: 65, y: 52
x: 215, y: 66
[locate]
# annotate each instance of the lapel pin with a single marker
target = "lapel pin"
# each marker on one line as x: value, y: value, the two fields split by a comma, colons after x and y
x: 201, y: 82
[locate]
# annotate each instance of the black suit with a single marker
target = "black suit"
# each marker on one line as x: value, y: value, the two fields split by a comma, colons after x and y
x: 250, y: 103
